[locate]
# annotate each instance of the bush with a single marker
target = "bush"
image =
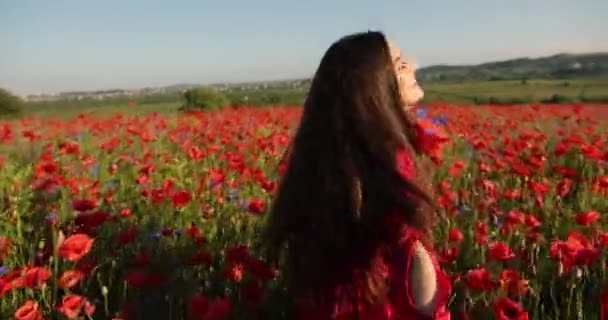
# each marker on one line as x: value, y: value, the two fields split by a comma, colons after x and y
x: 501, y: 100
x: 480, y: 100
x: 558, y: 99
x: 267, y: 97
x: 10, y: 104
x: 204, y: 99
x: 594, y: 99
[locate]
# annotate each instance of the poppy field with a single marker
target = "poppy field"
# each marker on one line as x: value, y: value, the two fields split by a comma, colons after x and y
x: 156, y: 216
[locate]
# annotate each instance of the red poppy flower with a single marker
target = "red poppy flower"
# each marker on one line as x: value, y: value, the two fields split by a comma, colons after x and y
x: 30, y: 310
x: 143, y: 279
x: 193, y: 231
x: 511, y: 194
x: 70, y: 278
x: 602, y: 239
x: 455, y: 236
x: 456, y: 169
x: 513, y: 282
x: 125, y: 213
x: 89, y: 222
x: 195, y: 153
x: 514, y: 218
x: 507, y: 309
x: 75, y: 247
x: 500, y: 251
x: 83, y: 205
x: 237, y: 254
x: 603, y: 181
x: 481, y: 233
x: 73, y: 305
x: 234, y: 273
x: 128, y: 236
x: 146, y: 170
x: 256, y: 207
x: 587, y: 218
x: 260, y: 270
x: 141, y: 259
x: 219, y: 309
x: 181, y: 198
x: 86, y: 266
x: 449, y: 255
x: 197, y: 307
x: 202, y: 257
x: 35, y: 277
x: 564, y: 187
x: 577, y: 250
x: 532, y: 222
x: 480, y: 280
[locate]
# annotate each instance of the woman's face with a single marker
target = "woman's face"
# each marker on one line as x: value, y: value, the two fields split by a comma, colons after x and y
x: 410, y: 91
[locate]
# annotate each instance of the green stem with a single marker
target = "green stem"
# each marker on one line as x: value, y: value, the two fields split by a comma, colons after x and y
x: 55, y: 265
x: 568, y: 313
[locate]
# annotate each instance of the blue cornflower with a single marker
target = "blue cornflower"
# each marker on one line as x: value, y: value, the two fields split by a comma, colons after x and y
x: 52, y: 218
x: 233, y: 194
x: 213, y: 183
x: 3, y: 270
x: 111, y: 184
x: 179, y: 232
x: 422, y: 113
x: 498, y: 223
x: 94, y: 170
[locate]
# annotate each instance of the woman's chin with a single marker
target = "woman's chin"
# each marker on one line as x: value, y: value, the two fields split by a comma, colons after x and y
x: 409, y: 101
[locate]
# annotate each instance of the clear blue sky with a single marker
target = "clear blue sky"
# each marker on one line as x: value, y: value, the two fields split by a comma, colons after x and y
x: 56, y: 45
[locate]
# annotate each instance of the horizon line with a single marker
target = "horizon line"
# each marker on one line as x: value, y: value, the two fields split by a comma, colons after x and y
x: 302, y: 78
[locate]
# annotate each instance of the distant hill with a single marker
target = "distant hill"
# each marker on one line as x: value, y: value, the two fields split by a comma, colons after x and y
x: 561, y: 66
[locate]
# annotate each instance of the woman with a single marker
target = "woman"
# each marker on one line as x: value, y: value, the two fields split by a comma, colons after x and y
x: 350, y: 222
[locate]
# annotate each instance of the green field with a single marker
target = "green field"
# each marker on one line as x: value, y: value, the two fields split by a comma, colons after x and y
x: 71, y: 110
x: 515, y: 92
x: 467, y: 93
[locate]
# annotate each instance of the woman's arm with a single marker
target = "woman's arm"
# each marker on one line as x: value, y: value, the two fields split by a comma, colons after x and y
x: 423, y: 280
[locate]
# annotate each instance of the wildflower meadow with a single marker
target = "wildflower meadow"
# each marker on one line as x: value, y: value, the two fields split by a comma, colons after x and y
x: 156, y: 216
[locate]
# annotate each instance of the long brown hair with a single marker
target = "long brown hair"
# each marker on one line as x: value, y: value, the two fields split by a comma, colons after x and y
x: 341, y: 181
